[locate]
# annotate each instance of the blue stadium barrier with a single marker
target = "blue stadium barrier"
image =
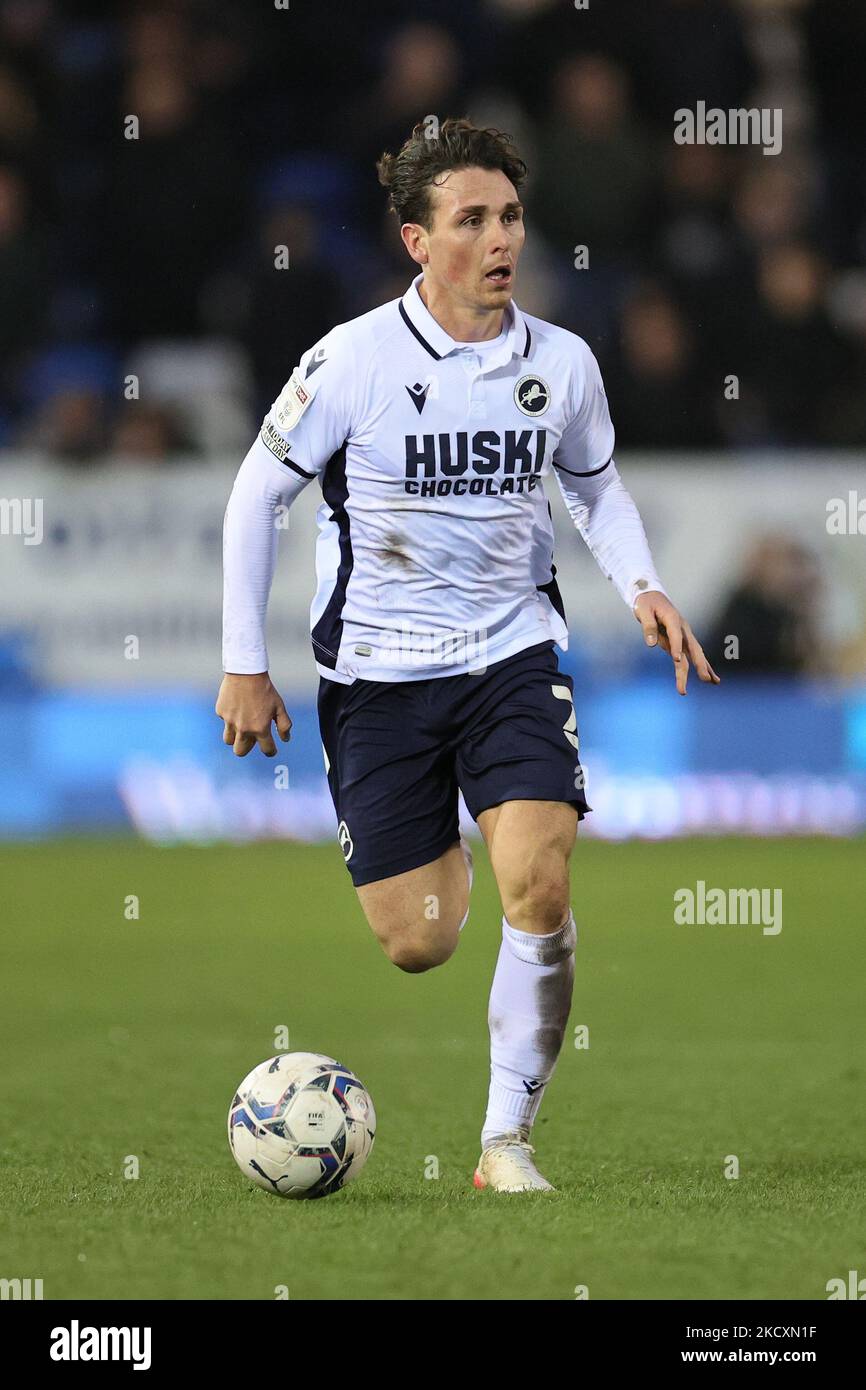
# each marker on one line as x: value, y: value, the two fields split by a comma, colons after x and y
x: 154, y: 759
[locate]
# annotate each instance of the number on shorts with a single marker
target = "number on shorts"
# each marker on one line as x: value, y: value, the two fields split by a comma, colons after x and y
x: 569, y: 728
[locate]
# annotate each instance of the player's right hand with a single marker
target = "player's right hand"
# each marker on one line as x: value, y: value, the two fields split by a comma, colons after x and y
x: 248, y: 705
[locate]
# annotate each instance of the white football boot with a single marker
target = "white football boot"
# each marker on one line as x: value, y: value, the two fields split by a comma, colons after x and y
x: 506, y: 1165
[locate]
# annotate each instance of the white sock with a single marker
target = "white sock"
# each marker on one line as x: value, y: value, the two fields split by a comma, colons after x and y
x: 529, y: 1005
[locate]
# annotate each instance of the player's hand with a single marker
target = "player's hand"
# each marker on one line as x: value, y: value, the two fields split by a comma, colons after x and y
x: 663, y: 626
x: 248, y: 705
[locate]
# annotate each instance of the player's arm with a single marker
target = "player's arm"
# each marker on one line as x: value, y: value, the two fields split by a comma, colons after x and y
x: 609, y: 522
x: 305, y: 426
x: 247, y: 702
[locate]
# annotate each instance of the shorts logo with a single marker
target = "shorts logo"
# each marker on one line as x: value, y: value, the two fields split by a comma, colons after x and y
x: 345, y: 840
x: 532, y: 395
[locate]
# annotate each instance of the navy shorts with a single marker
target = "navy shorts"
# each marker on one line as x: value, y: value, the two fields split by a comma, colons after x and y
x: 397, y: 752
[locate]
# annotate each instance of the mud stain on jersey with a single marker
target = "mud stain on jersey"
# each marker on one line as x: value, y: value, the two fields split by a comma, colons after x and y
x: 392, y: 552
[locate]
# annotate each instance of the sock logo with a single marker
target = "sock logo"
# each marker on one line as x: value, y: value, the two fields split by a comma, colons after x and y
x: 533, y: 1086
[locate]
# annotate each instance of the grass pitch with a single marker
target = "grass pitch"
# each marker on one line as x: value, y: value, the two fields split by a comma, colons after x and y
x: 127, y: 1038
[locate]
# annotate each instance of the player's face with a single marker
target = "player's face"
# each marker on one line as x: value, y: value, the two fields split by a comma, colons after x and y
x: 477, y: 237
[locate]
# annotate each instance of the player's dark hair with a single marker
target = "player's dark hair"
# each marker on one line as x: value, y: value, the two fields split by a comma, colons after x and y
x: 433, y: 149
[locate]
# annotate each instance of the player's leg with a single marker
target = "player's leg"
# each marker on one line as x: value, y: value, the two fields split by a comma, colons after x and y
x: 393, y: 782
x: 523, y: 783
x: 417, y: 916
x: 530, y: 843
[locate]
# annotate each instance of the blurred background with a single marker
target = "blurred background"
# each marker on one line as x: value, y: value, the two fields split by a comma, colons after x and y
x: 188, y: 201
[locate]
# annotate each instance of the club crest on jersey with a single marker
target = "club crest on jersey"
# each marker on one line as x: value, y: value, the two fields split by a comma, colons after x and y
x: 532, y: 395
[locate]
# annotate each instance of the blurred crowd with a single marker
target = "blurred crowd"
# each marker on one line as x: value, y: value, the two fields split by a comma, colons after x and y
x: 154, y: 157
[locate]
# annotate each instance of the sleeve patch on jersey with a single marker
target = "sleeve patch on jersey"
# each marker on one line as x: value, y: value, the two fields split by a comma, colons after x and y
x: 273, y: 441
x: 291, y: 403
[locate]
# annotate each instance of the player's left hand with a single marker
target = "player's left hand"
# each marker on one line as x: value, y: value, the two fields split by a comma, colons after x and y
x: 663, y: 626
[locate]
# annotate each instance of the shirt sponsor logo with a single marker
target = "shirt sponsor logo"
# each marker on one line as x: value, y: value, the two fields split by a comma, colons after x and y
x: 442, y: 464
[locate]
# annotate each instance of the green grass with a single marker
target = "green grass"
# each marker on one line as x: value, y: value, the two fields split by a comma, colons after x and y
x: 127, y: 1037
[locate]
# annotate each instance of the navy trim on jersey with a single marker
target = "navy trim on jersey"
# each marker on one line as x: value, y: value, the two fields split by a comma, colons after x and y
x: 528, y: 342
x: 551, y: 590
x: 328, y: 631
x: 297, y: 467
x: 591, y: 474
x: 412, y: 329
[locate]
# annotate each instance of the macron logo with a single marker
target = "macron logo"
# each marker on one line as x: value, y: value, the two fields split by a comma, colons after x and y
x: 76, y: 1343
x: 419, y: 395
x: 315, y: 362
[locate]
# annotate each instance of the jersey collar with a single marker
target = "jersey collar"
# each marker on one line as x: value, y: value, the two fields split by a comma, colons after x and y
x: 433, y: 338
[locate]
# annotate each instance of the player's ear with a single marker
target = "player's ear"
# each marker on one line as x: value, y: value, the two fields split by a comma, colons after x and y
x: 414, y: 239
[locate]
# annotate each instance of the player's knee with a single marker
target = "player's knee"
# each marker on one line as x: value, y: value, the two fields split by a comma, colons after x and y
x: 544, y: 914
x: 415, y: 953
x: 540, y: 897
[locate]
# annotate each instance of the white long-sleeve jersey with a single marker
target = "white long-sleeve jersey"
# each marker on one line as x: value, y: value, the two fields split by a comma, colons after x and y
x: 435, y: 547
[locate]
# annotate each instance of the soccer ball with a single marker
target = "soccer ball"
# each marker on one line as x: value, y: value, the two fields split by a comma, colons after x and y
x: 301, y: 1125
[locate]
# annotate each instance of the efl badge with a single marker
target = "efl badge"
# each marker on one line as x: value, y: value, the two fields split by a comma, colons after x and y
x: 532, y: 395
x: 291, y: 403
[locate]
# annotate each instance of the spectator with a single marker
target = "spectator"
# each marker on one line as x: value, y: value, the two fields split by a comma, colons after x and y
x: 794, y: 359
x: 176, y: 200
x: 422, y: 76
x: 148, y: 433
x: 772, y: 614
x: 594, y: 175
x: 23, y: 271
x: 251, y: 134
x: 658, y: 399
x: 289, y: 308
x: 71, y: 425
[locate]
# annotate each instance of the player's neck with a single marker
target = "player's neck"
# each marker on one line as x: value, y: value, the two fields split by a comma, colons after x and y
x: 462, y: 323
